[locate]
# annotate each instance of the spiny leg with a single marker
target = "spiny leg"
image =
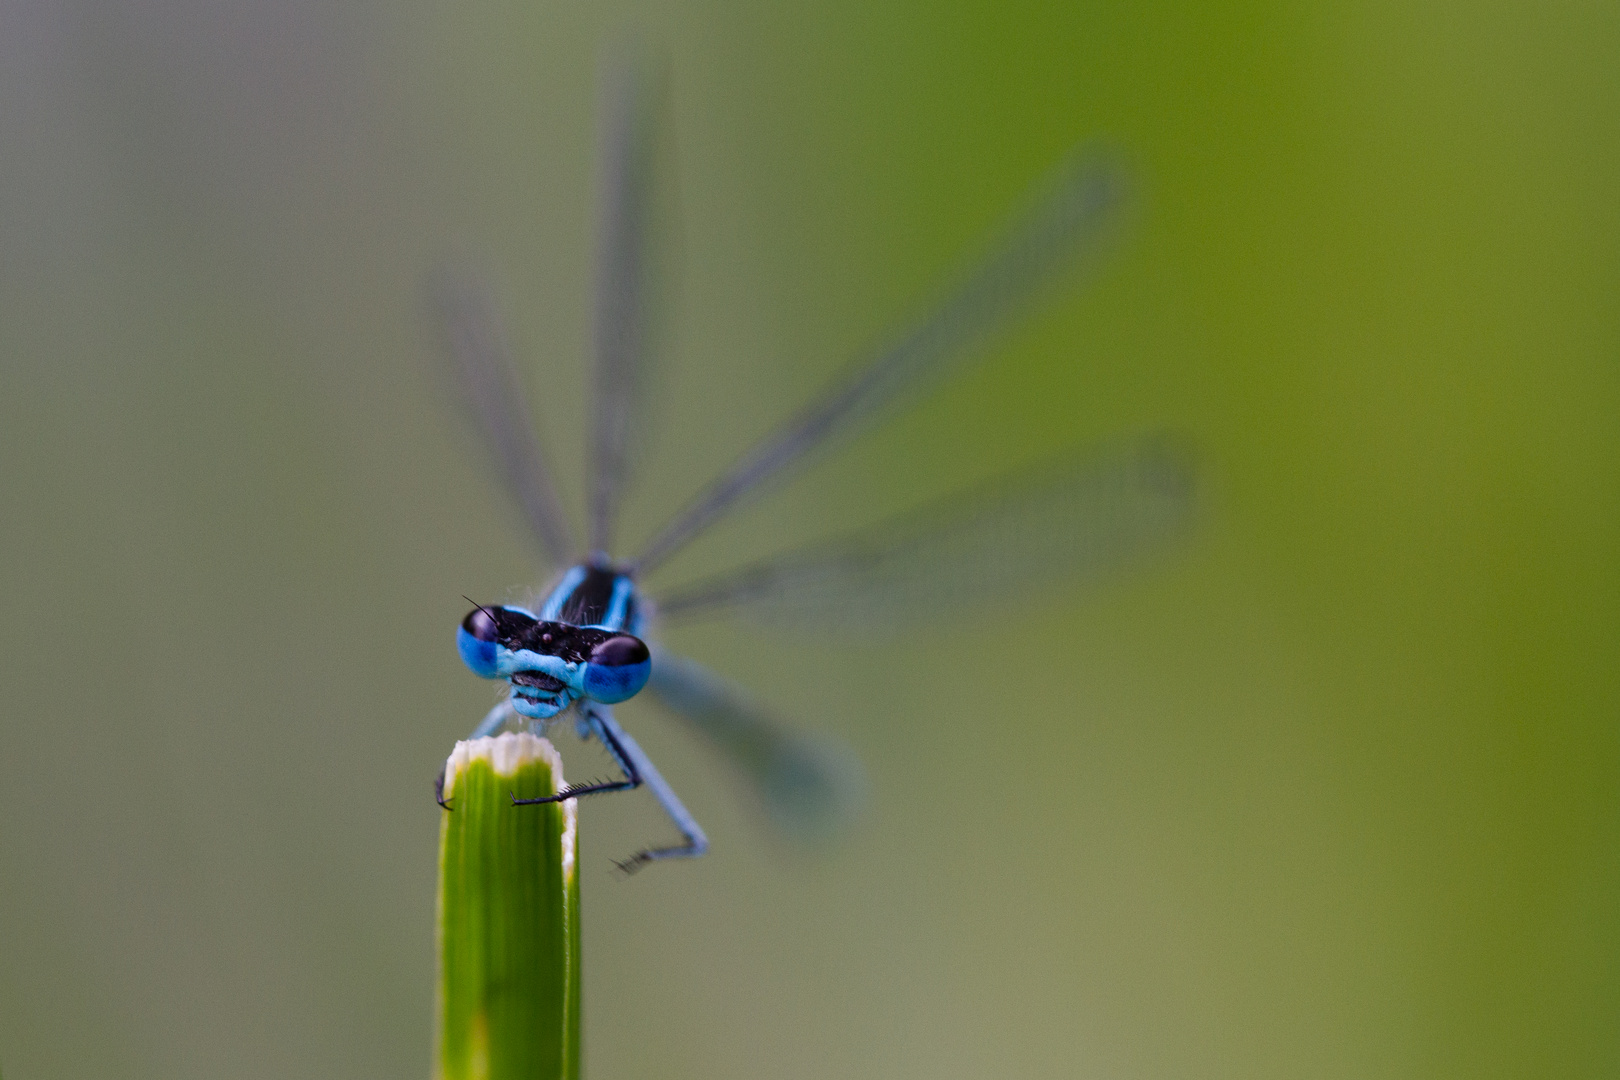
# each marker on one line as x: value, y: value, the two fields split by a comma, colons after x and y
x: 492, y: 722
x: 632, y: 778
x: 638, y: 769
x: 812, y: 784
x: 696, y: 842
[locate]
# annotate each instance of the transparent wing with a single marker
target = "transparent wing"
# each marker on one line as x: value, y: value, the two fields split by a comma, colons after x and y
x: 1071, y: 519
x: 811, y: 785
x: 1067, y: 222
x: 630, y: 108
x: 475, y: 340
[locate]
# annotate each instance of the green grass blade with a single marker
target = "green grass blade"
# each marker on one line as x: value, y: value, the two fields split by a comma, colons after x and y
x: 508, y: 995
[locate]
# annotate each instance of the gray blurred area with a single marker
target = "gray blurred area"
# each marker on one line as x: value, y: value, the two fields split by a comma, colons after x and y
x: 1332, y: 791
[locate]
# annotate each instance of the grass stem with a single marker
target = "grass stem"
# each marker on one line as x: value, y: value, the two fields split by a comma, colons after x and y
x: 508, y: 916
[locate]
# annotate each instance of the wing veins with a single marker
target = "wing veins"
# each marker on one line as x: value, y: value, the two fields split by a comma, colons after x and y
x: 621, y: 329
x: 1074, y: 516
x: 1068, y: 222
x: 476, y: 340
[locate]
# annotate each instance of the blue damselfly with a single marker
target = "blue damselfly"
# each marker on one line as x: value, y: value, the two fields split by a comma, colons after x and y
x: 584, y: 645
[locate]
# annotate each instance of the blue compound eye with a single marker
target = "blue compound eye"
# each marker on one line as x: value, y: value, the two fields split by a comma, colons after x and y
x: 617, y: 670
x: 478, y: 639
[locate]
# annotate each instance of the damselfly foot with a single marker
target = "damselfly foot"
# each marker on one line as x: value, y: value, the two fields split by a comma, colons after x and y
x: 438, y: 790
x: 629, y: 866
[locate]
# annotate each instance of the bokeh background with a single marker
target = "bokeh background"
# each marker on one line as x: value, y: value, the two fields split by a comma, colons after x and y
x: 1332, y: 792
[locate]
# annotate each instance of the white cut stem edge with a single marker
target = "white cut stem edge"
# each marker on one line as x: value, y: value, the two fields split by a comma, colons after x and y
x: 506, y: 753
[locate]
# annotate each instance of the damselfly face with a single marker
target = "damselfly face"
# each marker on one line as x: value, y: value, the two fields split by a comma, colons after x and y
x: 552, y: 664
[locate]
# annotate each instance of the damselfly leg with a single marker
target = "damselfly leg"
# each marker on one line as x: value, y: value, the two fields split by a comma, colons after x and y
x: 638, y: 770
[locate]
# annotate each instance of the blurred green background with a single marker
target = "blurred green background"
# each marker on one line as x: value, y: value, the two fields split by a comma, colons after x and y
x: 1335, y: 792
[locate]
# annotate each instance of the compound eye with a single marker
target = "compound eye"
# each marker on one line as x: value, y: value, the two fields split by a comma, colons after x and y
x: 481, y: 633
x: 619, y: 651
x: 618, y: 669
x: 481, y: 625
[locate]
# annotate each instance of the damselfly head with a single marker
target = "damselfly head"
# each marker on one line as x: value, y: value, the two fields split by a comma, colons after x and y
x: 552, y: 664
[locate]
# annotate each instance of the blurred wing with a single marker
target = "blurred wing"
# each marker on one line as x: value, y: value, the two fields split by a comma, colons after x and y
x: 812, y: 785
x: 628, y: 131
x: 1074, y: 518
x: 1070, y: 220
x: 476, y: 343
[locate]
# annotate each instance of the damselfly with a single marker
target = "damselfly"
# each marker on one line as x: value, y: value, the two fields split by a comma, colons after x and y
x: 583, y: 648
